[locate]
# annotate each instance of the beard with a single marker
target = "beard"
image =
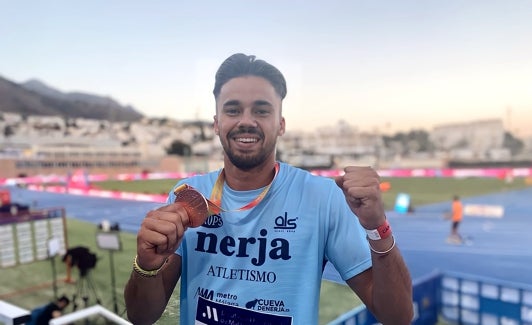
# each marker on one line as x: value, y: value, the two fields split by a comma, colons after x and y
x: 247, y: 161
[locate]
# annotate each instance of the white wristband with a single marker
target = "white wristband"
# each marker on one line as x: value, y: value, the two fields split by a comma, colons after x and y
x: 383, y: 231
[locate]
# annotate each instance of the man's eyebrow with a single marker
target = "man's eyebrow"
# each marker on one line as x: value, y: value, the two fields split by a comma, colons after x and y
x: 232, y: 102
x: 262, y: 102
x: 235, y: 102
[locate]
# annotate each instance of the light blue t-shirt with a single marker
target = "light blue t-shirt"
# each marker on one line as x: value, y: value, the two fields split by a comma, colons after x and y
x: 265, y: 264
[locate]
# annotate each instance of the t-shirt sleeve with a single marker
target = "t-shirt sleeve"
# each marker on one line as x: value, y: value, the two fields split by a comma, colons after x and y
x: 346, y: 245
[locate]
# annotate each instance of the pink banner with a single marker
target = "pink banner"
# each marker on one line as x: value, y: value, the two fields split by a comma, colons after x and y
x: 77, y: 178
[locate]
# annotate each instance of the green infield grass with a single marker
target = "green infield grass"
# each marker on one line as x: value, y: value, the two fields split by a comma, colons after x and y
x: 31, y: 285
x: 422, y: 190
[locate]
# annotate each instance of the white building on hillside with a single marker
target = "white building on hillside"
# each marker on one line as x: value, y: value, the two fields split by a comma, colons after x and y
x: 481, y: 139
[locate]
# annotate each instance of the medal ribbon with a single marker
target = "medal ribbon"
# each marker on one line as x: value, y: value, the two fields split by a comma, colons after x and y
x: 216, y: 194
x: 214, y: 203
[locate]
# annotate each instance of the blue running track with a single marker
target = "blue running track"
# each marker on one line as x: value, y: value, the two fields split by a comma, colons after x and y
x: 499, y: 248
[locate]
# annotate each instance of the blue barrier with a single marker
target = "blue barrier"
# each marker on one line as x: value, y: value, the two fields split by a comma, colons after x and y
x: 461, y: 299
x: 468, y: 299
x: 425, y: 299
x: 425, y: 295
x: 358, y: 316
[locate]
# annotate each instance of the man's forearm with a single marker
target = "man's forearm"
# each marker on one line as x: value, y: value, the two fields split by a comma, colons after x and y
x: 392, y: 284
x: 145, y: 298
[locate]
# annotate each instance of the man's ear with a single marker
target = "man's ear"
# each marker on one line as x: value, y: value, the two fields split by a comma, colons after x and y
x: 283, y: 126
x: 216, y: 129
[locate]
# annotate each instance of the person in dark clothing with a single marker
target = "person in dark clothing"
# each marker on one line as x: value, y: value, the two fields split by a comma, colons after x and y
x: 42, y: 315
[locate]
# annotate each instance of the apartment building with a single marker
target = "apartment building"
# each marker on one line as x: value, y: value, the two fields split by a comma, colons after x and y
x: 480, y: 140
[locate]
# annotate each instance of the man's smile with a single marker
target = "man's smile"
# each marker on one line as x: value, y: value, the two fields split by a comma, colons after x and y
x: 246, y: 140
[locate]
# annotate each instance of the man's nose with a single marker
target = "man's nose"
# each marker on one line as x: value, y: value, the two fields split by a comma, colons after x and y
x: 247, y: 118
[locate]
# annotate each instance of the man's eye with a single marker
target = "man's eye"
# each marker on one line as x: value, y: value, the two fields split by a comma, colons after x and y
x: 231, y: 111
x: 262, y: 112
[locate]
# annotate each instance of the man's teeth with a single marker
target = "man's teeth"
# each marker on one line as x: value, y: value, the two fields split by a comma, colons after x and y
x: 246, y: 140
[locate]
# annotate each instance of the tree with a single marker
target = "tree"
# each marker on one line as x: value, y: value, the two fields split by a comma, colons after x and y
x: 413, y: 141
x: 512, y: 143
x: 8, y: 131
x: 179, y: 148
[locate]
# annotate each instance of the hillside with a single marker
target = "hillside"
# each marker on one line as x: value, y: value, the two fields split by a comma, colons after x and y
x: 36, y: 98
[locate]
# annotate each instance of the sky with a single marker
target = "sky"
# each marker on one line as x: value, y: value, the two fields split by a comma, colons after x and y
x: 385, y: 66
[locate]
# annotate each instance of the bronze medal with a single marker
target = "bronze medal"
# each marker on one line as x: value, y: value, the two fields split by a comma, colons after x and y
x: 194, y: 203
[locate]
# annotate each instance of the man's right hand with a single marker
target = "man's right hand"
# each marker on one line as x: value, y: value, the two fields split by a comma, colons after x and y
x: 160, y: 234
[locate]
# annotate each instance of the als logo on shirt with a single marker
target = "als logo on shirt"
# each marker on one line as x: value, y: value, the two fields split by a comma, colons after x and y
x: 283, y: 223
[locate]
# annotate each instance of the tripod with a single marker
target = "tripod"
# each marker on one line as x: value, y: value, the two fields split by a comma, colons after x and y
x: 84, y: 288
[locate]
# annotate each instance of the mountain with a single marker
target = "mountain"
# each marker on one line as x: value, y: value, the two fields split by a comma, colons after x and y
x: 34, y: 97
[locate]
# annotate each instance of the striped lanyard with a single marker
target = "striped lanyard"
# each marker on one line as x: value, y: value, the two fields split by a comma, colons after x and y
x: 216, y: 194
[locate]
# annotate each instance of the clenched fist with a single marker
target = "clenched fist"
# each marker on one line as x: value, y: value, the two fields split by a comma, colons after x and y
x: 361, y: 187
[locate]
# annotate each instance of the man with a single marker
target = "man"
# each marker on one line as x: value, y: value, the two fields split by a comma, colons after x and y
x: 259, y: 258
x: 457, y: 213
x: 43, y: 314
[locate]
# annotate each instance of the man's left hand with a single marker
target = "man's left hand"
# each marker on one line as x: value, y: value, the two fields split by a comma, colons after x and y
x: 361, y: 187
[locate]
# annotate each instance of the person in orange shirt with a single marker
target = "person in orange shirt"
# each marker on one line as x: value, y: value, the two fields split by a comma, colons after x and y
x: 457, y: 213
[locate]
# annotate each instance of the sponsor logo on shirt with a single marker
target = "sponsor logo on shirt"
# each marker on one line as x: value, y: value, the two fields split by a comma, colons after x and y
x: 214, y: 313
x: 220, y: 297
x: 205, y: 293
x: 213, y: 221
x: 270, y: 305
x: 283, y: 223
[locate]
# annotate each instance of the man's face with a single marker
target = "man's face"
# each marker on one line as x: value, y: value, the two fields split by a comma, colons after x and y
x: 248, y: 120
